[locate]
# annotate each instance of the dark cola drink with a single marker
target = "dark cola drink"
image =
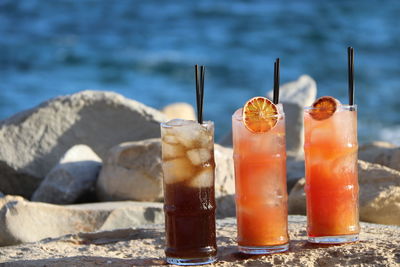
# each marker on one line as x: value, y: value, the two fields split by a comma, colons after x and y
x: 189, y: 197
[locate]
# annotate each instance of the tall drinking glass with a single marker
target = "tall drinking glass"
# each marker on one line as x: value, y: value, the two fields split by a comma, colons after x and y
x: 189, y: 199
x: 260, y: 178
x: 331, y: 175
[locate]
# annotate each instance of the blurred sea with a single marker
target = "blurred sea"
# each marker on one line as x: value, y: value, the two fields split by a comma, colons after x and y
x: 146, y: 50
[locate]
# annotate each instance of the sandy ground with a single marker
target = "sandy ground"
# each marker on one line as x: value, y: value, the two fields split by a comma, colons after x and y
x: 379, y: 246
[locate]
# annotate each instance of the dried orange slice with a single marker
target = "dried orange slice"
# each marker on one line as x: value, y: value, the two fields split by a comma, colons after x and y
x: 259, y: 115
x: 324, y: 107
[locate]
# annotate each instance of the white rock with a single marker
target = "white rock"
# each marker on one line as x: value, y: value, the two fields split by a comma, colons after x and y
x: 73, y: 176
x: 294, y: 129
x: 302, y: 92
x: 295, y: 96
x: 134, y: 215
x: 379, y: 194
x: 383, y: 153
x: 224, y: 170
x: 33, y: 141
x: 224, y: 181
x: 132, y: 171
x: 179, y: 111
x: 23, y: 221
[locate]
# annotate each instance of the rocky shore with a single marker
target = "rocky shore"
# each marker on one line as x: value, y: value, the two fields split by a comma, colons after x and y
x: 81, y: 184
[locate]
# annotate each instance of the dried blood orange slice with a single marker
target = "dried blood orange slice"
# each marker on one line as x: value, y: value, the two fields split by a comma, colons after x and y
x: 259, y: 115
x: 324, y: 107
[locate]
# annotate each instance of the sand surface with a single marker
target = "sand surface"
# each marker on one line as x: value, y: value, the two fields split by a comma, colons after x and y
x: 379, y: 246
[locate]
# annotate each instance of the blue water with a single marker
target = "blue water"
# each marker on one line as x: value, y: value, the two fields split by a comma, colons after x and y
x: 146, y: 50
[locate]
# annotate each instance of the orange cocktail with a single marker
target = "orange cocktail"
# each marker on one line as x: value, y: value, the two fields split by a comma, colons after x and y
x: 331, y: 172
x: 261, y: 196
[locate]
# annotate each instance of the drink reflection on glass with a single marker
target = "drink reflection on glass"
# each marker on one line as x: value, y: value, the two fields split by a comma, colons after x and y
x: 189, y: 201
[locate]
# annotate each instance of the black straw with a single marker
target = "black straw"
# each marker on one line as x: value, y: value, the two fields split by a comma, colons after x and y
x: 196, y: 75
x: 350, y: 58
x: 276, y: 81
x: 199, y: 91
x: 202, y: 72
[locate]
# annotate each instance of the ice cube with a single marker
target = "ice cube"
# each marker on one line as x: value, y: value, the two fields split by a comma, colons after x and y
x: 190, y: 133
x: 172, y: 151
x: 345, y: 164
x: 179, y: 122
x: 177, y: 170
x: 205, y: 140
x: 276, y: 198
x: 321, y: 135
x: 205, y: 178
x: 344, y: 127
x: 187, y: 135
x: 199, y: 156
x: 170, y: 139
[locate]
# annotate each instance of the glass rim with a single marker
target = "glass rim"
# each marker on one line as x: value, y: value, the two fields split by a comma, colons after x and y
x: 339, y: 107
x: 239, y: 117
x: 166, y: 125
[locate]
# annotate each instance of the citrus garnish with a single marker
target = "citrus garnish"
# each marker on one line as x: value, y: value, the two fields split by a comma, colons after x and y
x: 259, y: 115
x: 324, y: 107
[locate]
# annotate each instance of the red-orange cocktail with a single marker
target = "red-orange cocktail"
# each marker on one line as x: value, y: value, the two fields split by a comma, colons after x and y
x: 331, y: 174
x: 261, y: 197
